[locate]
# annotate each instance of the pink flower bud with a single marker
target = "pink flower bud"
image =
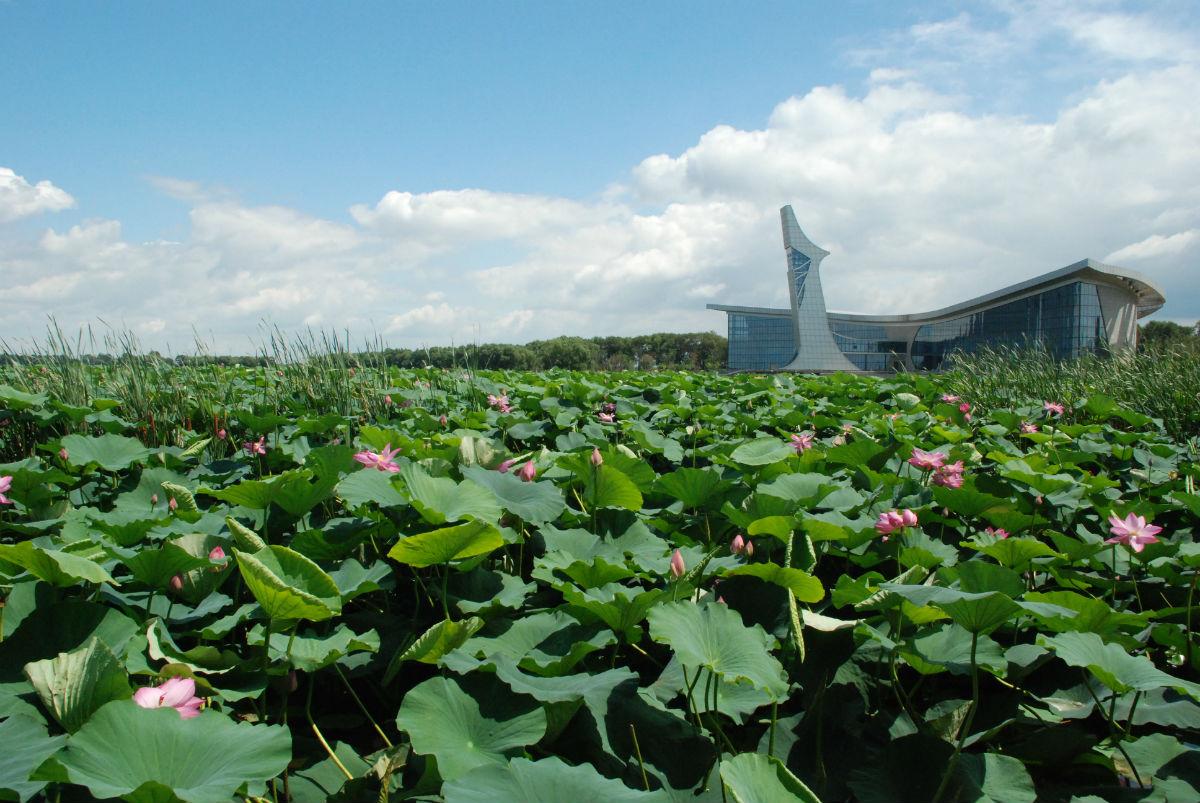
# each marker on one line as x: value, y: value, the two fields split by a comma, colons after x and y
x: 173, y: 504
x: 216, y: 554
x: 63, y: 453
x: 749, y: 548
x: 527, y: 472
x: 177, y: 582
x: 387, y: 399
x: 222, y: 434
x: 443, y: 420
x: 677, y: 567
x: 909, y: 518
x: 597, y: 458
x: 506, y: 465
x: 153, y: 500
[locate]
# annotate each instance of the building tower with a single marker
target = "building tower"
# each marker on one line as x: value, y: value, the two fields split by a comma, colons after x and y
x: 815, y: 348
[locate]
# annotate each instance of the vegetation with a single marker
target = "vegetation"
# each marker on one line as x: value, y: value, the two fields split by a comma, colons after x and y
x: 1161, y: 381
x: 334, y: 579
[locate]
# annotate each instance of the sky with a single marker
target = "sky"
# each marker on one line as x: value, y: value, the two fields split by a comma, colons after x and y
x: 454, y: 172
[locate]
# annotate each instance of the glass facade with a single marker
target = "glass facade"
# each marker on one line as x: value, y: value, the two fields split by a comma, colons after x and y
x: 760, y: 342
x: 867, y: 345
x: 799, y: 264
x: 1066, y: 321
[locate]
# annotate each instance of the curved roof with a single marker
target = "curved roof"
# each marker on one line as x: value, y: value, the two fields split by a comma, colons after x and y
x: 1149, y: 296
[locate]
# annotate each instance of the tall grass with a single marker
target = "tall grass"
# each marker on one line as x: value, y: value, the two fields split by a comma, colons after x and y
x: 1161, y: 382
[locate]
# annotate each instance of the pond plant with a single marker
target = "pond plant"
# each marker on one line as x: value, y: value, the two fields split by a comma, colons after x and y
x: 344, y: 582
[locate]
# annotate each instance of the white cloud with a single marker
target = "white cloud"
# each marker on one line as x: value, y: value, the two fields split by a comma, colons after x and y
x: 1156, y: 245
x: 19, y: 198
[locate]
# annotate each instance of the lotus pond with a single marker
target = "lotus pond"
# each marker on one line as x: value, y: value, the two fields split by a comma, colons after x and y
x: 479, y: 587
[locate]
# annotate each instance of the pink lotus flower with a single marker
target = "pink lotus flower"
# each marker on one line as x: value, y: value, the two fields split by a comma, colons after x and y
x: 64, y: 454
x: 894, y: 520
x: 499, y: 402
x: 153, y: 500
x: 1053, y: 408
x: 965, y: 409
x: 443, y: 420
x: 5, y: 484
x: 1133, y: 531
x: 176, y: 582
x: 608, y: 407
x: 256, y: 447
x: 1028, y: 428
x: 950, y: 398
x: 597, y: 458
x: 178, y: 693
x: 505, y: 465
x: 172, y: 504
x: 606, y: 418
x: 222, y: 434
x: 528, y: 471
x: 999, y: 532
x: 677, y: 567
x: 926, y: 461
x: 949, y: 476
x: 741, y: 546
x: 802, y: 442
x: 384, y: 461
x: 217, y: 554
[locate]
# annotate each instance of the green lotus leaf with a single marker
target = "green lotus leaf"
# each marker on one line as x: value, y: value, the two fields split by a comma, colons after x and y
x: 467, y: 724
x: 77, y: 683
x: 548, y: 643
x: 62, y: 569
x: 545, y: 781
x: 762, y: 452
x: 110, y: 452
x: 141, y: 754
x: 288, y: 585
x: 440, y: 499
x: 370, y: 487
x: 976, y: 612
x: 26, y: 746
x: 714, y: 637
x: 185, y: 502
x: 156, y: 567
x: 1113, y: 666
x: 755, y: 778
x: 606, y: 486
x: 441, y: 638
x: 532, y: 501
x: 803, y: 585
x: 449, y: 543
x: 694, y: 487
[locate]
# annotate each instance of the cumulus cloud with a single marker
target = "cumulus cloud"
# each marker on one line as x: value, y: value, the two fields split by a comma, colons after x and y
x: 923, y: 195
x: 19, y: 198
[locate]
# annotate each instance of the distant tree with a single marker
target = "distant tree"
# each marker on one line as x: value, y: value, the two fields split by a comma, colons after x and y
x: 1156, y: 334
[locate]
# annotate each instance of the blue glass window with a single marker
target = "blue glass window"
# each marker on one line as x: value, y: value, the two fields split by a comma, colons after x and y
x: 1066, y: 321
x: 760, y: 342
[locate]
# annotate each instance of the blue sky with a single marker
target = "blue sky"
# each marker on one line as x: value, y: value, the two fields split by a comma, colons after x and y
x: 505, y: 171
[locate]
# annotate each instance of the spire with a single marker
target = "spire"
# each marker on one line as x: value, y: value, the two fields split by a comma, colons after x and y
x: 794, y: 237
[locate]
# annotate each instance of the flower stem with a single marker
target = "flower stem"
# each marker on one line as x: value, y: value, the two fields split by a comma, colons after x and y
x: 362, y: 707
x: 320, y: 736
x: 965, y: 731
x: 637, y: 749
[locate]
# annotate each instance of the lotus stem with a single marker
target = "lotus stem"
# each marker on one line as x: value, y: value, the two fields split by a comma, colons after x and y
x: 361, y: 707
x: 637, y: 749
x: 320, y: 736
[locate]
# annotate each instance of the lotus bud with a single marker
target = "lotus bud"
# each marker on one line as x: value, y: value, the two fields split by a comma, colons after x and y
x: 222, y: 434
x: 443, y: 420
x: 527, y: 472
x: 177, y: 582
x: 677, y: 566
x: 738, y: 545
x: 597, y: 458
x: 64, y: 454
x: 172, y: 504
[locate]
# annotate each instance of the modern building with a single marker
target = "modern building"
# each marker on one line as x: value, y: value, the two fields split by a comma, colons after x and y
x: 1082, y: 307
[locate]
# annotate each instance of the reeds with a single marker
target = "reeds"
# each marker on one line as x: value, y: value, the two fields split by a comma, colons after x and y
x: 1161, y: 382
